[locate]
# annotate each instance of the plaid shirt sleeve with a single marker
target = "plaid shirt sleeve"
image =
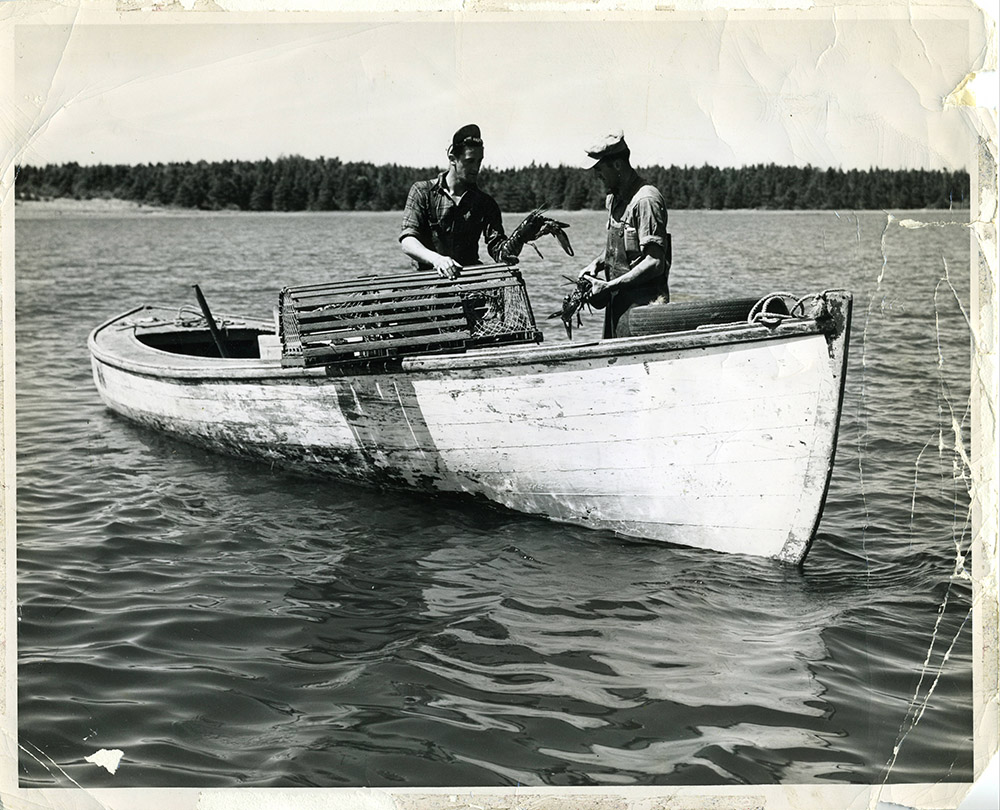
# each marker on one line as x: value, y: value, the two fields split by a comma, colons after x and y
x: 415, y: 220
x: 493, y: 233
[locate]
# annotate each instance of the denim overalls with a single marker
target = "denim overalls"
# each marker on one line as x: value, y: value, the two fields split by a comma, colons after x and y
x: 620, y: 253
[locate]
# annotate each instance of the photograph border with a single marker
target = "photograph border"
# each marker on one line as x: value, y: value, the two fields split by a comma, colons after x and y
x: 982, y: 123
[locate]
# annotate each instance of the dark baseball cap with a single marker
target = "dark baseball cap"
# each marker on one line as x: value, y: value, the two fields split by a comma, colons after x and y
x: 469, y: 135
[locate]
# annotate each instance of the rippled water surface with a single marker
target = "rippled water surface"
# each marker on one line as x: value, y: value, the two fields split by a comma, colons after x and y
x: 225, y: 624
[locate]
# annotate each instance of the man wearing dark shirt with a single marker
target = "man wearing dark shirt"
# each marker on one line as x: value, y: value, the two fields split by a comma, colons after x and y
x: 445, y: 217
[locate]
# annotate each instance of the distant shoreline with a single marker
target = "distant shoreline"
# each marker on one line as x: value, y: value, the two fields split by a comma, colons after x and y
x: 59, y: 206
x: 67, y: 205
x: 113, y: 205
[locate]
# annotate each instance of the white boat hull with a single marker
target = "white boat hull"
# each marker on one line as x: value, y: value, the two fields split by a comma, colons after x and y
x: 721, y: 440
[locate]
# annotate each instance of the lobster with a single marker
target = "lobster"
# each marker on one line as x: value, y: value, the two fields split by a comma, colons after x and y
x: 573, y: 303
x: 532, y: 227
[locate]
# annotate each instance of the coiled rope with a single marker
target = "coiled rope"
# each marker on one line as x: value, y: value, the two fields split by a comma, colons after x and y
x: 759, y: 313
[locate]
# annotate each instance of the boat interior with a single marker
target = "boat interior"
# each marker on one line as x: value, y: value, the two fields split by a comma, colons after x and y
x: 240, y: 343
x: 246, y: 341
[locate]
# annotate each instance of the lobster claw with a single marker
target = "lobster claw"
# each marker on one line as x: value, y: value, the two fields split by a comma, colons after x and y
x: 563, y: 240
x: 533, y: 226
x: 552, y: 225
x: 567, y: 320
x: 558, y: 230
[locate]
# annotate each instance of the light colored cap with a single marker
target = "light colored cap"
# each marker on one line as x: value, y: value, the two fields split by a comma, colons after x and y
x: 608, y: 146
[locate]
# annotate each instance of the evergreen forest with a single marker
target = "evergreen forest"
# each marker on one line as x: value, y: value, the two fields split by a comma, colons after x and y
x: 327, y: 184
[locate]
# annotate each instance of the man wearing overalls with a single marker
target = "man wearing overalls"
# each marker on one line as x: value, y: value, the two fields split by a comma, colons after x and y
x: 636, y: 258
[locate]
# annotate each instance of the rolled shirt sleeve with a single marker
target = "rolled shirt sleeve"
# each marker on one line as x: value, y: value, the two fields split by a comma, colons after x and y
x: 649, y: 218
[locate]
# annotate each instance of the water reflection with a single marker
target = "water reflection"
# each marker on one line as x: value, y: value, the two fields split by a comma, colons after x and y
x: 609, y: 654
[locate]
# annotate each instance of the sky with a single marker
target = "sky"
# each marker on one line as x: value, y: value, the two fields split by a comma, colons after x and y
x: 824, y: 89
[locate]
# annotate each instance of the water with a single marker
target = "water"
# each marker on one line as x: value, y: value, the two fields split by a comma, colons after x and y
x: 224, y: 624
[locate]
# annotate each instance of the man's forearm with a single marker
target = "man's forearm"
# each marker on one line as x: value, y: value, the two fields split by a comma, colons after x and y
x: 444, y: 265
x: 646, y: 269
x: 416, y: 249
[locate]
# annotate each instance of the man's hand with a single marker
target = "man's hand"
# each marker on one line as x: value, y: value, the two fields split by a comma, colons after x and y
x: 597, y: 285
x: 447, y: 267
x: 593, y: 270
x: 600, y: 290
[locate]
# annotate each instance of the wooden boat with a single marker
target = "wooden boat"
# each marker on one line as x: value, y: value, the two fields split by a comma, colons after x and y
x: 719, y: 436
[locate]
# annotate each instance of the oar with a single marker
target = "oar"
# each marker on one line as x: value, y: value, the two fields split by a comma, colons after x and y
x: 216, y: 334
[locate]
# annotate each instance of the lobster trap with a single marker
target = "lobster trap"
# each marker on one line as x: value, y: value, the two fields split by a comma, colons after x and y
x: 382, y: 317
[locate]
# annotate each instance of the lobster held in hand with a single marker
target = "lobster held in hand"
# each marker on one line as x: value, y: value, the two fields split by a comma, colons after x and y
x: 534, y: 226
x: 573, y: 302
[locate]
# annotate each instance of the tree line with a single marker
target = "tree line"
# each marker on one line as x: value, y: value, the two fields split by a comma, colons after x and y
x: 296, y: 183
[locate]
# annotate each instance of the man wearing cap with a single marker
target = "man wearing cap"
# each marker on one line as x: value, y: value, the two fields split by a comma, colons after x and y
x: 636, y: 258
x: 445, y: 217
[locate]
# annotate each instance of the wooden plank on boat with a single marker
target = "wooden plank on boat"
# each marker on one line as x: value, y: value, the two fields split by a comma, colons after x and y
x: 388, y: 309
x: 319, y: 321
x: 475, y: 271
x: 376, y: 348
x: 362, y: 285
x: 427, y: 328
x: 416, y: 293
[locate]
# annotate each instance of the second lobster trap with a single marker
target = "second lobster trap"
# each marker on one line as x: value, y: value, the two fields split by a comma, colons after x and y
x: 381, y: 317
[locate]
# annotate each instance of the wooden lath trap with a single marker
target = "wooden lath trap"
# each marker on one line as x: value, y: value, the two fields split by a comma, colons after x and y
x: 415, y: 313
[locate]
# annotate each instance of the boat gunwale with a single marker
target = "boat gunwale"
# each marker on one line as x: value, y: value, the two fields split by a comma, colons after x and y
x: 145, y: 360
